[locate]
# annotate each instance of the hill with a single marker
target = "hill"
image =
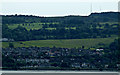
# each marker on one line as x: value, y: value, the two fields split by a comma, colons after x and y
x: 29, y: 27
x: 98, y: 17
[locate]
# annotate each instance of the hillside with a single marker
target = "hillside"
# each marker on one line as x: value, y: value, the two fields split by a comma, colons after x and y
x: 28, y: 27
x: 61, y: 43
x: 98, y: 17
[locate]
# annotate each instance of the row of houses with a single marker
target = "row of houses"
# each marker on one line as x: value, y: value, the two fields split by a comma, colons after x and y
x: 45, y: 56
x: 6, y: 39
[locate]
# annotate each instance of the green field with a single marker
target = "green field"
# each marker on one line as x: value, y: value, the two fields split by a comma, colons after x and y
x: 110, y: 23
x: 29, y: 26
x: 37, y: 26
x: 68, y: 43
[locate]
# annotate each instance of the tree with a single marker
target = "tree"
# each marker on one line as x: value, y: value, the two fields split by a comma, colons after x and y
x: 64, y: 65
x: 8, y: 62
x: 54, y: 64
x: 11, y: 45
x: 83, y: 47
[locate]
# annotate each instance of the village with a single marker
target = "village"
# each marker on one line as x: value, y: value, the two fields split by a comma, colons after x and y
x: 44, y: 57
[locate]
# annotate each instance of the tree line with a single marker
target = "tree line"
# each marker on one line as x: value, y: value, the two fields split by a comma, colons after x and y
x: 22, y: 34
x: 94, y: 17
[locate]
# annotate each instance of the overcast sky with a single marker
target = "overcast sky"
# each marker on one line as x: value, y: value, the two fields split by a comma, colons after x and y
x: 57, y: 7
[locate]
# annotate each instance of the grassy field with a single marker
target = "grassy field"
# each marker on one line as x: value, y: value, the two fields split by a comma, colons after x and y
x: 29, y: 26
x: 68, y: 43
x: 110, y: 23
x: 32, y: 26
x: 26, y: 25
x: 37, y: 26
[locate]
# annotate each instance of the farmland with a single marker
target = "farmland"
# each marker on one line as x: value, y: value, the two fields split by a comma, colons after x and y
x: 68, y: 43
x: 37, y: 26
x: 29, y: 26
x: 67, y: 31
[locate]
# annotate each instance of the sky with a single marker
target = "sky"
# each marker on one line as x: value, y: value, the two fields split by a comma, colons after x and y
x: 57, y: 7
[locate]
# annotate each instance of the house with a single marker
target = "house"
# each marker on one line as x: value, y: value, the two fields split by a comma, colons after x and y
x: 4, y: 39
x: 99, y: 49
x: 85, y: 64
x: 76, y: 65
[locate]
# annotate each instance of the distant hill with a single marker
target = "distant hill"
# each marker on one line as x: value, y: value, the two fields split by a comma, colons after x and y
x: 93, y: 17
x: 29, y: 27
